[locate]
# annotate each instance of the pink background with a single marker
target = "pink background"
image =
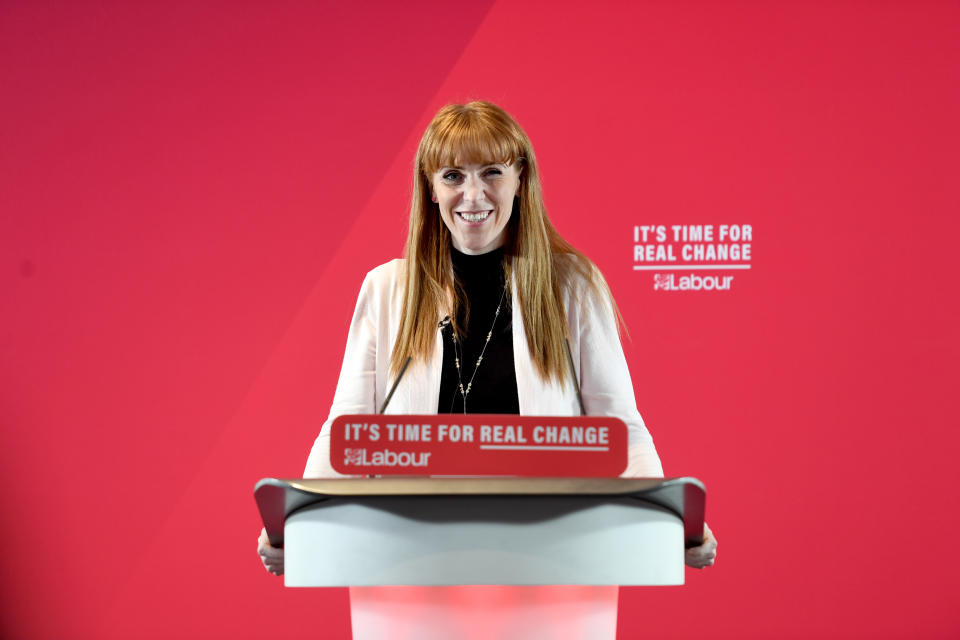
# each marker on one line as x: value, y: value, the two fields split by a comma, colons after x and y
x: 190, y: 194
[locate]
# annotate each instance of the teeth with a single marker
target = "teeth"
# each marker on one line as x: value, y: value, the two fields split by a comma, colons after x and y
x: 474, y: 217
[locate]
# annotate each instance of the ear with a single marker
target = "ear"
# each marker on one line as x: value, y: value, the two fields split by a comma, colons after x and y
x: 433, y: 196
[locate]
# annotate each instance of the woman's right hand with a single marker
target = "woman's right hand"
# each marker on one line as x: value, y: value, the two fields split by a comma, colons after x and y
x: 271, y: 557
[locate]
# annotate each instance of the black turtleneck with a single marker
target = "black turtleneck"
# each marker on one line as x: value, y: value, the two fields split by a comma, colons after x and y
x: 494, y: 387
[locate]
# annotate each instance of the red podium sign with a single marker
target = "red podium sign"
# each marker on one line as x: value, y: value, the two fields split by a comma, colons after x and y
x: 479, y: 444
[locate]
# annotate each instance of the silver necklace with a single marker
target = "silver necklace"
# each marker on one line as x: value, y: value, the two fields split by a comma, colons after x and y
x: 456, y: 354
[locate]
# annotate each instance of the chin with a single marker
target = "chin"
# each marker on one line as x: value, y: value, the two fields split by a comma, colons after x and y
x: 474, y: 248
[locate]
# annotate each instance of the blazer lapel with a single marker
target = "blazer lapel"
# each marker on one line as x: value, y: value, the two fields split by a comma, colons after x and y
x: 422, y: 383
x: 522, y: 364
x: 537, y: 397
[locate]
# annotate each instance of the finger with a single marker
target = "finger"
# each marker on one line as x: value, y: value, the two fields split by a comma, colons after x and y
x: 265, y: 544
x: 697, y: 561
x: 708, y: 534
x: 702, y: 552
x: 272, y: 562
x: 700, y: 564
x: 703, y: 549
x: 707, y: 545
x: 700, y: 556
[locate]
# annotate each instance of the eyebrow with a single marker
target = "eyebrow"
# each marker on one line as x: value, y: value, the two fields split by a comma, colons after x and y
x: 483, y: 166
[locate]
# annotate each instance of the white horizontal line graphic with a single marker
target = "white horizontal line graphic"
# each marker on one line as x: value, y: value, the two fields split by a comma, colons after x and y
x: 690, y: 267
x: 522, y: 447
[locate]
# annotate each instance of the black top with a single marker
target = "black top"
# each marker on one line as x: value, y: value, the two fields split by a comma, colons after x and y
x: 494, y: 388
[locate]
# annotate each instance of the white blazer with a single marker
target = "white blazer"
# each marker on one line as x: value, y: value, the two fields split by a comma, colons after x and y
x: 598, y: 358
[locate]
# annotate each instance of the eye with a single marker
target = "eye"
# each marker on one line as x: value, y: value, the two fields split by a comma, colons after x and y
x: 452, y: 176
x: 492, y: 171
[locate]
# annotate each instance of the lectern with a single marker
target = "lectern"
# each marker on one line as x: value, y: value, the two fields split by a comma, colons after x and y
x: 483, y: 557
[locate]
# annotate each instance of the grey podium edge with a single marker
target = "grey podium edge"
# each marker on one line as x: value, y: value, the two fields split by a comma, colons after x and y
x: 278, y: 498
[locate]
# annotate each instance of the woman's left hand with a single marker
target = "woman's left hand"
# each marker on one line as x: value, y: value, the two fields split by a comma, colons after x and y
x: 705, y: 554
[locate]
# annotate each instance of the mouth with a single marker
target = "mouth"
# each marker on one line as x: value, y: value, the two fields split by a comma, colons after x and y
x: 474, y: 217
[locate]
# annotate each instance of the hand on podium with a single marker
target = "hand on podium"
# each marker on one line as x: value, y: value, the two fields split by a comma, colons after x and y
x: 271, y: 557
x: 705, y: 554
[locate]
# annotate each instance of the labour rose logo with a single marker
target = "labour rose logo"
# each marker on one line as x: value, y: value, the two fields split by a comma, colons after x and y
x: 353, y: 456
x: 661, y: 281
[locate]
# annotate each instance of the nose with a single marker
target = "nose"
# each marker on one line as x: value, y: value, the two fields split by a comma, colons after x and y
x: 473, y: 188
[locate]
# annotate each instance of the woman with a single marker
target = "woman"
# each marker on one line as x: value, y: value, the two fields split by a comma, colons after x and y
x: 491, y: 311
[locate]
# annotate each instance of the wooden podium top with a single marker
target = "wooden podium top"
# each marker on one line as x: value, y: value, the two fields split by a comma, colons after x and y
x: 278, y: 498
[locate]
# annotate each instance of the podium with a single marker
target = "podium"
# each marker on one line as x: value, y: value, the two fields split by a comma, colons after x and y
x: 483, y: 557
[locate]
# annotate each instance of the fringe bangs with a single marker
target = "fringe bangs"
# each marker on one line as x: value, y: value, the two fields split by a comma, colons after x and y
x: 459, y: 136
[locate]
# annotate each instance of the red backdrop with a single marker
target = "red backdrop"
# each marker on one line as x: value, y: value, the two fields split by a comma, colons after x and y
x: 190, y: 194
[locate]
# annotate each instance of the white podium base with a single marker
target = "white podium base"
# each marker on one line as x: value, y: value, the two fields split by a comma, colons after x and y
x: 484, y: 612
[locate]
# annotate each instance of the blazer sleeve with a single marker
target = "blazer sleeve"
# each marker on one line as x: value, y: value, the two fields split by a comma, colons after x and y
x: 356, y: 387
x: 606, y: 385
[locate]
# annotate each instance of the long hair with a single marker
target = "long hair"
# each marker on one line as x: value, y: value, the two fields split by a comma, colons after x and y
x: 540, y: 262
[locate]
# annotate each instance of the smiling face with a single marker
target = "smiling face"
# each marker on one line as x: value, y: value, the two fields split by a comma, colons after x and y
x: 475, y: 202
